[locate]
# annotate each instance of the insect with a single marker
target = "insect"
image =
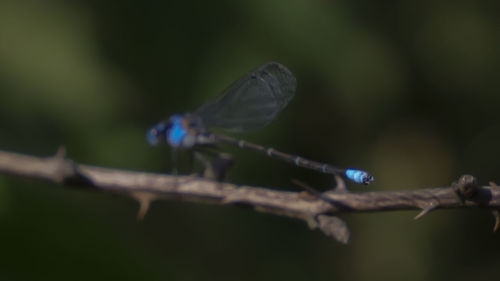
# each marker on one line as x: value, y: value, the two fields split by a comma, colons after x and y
x: 250, y: 103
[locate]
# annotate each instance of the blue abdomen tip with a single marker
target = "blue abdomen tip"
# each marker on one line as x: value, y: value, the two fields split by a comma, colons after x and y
x: 358, y: 176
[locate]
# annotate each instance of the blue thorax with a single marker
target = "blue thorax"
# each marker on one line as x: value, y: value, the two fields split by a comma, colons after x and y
x: 176, y: 132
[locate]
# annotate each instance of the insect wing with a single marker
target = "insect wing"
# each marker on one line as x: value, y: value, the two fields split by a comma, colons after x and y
x: 251, y: 102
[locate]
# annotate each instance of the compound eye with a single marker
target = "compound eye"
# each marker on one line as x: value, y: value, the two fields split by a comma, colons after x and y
x: 152, y: 136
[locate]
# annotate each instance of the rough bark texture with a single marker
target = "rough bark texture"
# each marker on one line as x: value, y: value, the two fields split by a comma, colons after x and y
x: 317, y: 209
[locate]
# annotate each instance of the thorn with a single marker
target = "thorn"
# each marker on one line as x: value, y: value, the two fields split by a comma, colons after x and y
x: 143, y: 209
x: 61, y: 152
x: 66, y: 170
x: 144, y: 200
x: 496, y: 214
x: 306, y: 187
x: 340, y: 183
x: 429, y: 207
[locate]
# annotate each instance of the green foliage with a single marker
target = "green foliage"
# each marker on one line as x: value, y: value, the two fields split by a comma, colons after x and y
x: 405, y: 90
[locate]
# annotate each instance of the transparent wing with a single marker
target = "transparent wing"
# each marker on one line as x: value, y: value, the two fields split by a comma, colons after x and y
x: 251, y: 102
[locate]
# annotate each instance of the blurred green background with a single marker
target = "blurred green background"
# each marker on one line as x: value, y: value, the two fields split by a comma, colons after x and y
x: 408, y: 90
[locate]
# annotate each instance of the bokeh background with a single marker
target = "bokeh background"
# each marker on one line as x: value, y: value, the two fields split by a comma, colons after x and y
x: 408, y: 90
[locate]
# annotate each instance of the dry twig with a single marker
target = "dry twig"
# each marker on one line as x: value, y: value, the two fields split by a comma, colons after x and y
x: 317, y: 209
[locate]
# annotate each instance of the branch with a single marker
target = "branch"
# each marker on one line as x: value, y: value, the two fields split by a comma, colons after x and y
x: 314, y: 207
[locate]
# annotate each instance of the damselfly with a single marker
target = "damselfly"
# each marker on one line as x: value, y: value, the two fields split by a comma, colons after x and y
x: 250, y: 103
